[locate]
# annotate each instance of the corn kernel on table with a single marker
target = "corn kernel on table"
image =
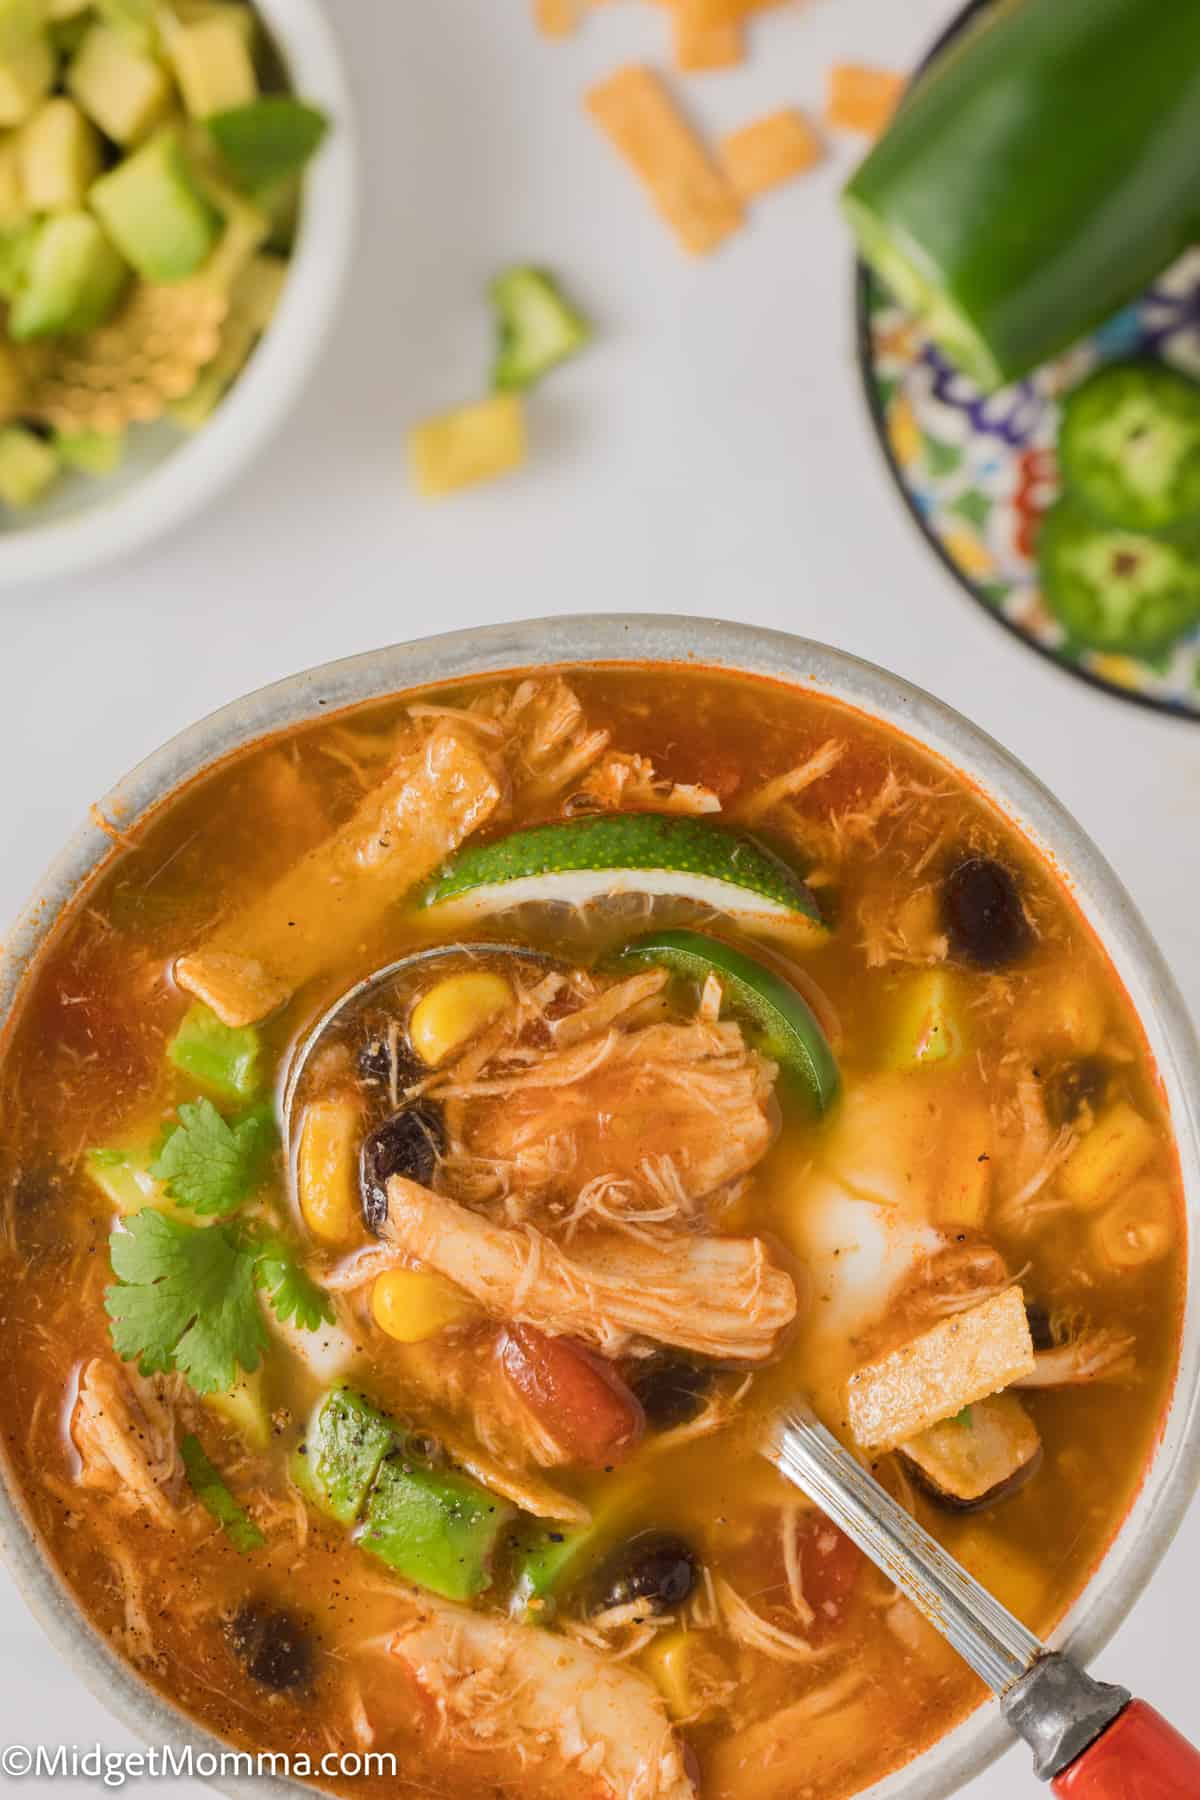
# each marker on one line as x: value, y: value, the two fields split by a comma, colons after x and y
x: 710, y: 454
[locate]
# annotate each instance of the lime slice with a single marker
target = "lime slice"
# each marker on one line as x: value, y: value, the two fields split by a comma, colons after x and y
x: 582, y: 861
x: 782, y: 1023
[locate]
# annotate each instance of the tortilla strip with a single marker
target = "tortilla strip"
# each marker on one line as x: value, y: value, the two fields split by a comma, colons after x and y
x: 556, y: 18
x: 770, y: 151
x: 429, y: 801
x: 703, y: 42
x: 962, y: 1359
x: 638, y: 116
x: 862, y: 99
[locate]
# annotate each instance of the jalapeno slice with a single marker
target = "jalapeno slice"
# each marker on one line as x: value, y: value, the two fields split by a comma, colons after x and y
x: 1130, y: 447
x: 1116, y: 590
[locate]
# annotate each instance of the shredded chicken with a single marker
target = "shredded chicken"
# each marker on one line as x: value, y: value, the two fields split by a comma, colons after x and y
x: 757, y: 1633
x: 628, y: 783
x: 658, y: 1118
x: 793, y: 781
x: 124, y: 1431
x: 565, y: 1707
x: 721, y: 1297
x: 1102, y: 1355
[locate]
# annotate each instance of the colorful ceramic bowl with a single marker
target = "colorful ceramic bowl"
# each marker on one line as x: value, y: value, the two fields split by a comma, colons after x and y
x: 978, y: 471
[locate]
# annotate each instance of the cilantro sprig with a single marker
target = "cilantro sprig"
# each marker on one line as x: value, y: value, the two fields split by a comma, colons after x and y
x: 210, y: 1166
x: 185, y: 1298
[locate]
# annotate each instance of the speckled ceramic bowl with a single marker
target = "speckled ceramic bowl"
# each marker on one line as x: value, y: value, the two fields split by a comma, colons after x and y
x: 813, y: 668
x: 977, y: 472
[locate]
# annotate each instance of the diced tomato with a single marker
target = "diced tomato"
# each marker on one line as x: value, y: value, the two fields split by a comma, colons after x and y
x: 830, y: 1567
x: 579, y: 1398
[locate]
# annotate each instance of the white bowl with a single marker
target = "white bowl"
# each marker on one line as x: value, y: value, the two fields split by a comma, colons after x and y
x: 168, y: 475
x: 1171, y: 1477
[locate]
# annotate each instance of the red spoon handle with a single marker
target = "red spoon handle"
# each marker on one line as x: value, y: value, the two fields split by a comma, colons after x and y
x: 1139, y: 1757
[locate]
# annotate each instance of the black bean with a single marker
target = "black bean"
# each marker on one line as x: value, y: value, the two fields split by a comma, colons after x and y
x: 655, y: 1566
x: 983, y: 915
x: 275, y: 1647
x: 409, y: 1144
x: 1040, y: 1328
x: 1072, y: 1087
x: 671, y: 1392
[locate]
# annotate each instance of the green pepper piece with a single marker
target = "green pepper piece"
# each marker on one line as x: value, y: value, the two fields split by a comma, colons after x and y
x: 1130, y: 447
x: 434, y: 1527
x: 347, y: 1441
x: 1114, y: 590
x: 537, y: 327
x: 222, y: 1057
x: 216, y: 1498
x: 1039, y: 175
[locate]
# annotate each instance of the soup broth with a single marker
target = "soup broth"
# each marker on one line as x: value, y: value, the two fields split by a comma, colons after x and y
x: 436, y: 1435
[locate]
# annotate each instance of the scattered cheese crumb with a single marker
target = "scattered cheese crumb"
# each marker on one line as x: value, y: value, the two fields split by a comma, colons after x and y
x: 862, y: 99
x: 640, y: 119
x: 770, y: 151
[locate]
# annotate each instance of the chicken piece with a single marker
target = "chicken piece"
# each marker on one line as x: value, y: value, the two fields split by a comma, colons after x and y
x: 620, y: 782
x: 468, y: 1382
x: 432, y: 798
x: 964, y: 1358
x: 721, y: 1297
x: 1102, y: 1355
x: 564, y: 1709
x: 124, y: 1432
x: 664, y: 1116
x: 550, y: 743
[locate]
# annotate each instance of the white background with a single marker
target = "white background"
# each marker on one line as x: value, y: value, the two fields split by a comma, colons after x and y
x: 710, y: 455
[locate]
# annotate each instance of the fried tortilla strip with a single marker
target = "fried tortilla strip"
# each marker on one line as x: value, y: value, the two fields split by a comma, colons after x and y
x: 637, y: 115
x: 704, y: 42
x: 770, y: 151
x: 556, y: 18
x: 564, y: 1708
x: 718, y: 1296
x: 862, y: 99
x: 962, y: 1359
x: 430, y: 800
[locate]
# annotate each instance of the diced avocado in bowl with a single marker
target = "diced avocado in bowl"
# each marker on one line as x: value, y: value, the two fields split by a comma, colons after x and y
x: 152, y: 163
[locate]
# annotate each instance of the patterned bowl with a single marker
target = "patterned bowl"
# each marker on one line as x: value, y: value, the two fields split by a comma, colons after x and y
x: 978, y: 471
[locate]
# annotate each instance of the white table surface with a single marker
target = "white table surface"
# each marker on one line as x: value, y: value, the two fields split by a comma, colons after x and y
x: 710, y: 455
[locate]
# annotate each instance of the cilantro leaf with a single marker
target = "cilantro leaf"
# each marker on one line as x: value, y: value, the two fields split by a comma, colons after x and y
x: 292, y: 1293
x: 184, y: 1299
x: 210, y: 1166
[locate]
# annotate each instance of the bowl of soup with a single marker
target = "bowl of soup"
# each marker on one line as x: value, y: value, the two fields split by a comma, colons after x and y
x: 387, y: 1357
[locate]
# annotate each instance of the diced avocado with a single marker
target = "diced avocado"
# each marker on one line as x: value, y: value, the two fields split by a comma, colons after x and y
x: 190, y: 12
x: 268, y: 140
x: 122, y: 1173
x: 245, y: 1408
x: 218, y: 1056
x: 346, y: 1443
x: 156, y: 213
x: 73, y: 282
x: 434, y: 1527
x: 212, y: 64
x: 136, y: 20
x: 91, y: 452
x: 16, y: 248
x: 14, y: 209
x: 58, y: 10
x: 27, y: 60
x: 60, y: 156
x: 537, y: 327
x: 118, y: 86
x: 14, y: 384
x: 245, y: 231
x: 549, y: 1559
x: 28, y: 466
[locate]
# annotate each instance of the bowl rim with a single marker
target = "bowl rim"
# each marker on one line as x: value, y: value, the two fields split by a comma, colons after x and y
x: 683, y: 642
x: 198, y: 468
x: 864, y: 283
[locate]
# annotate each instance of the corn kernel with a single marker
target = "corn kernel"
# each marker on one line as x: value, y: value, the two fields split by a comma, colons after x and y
x: 455, y: 1011
x: 413, y: 1304
x: 667, y: 1663
x: 327, y: 1169
x: 1113, y: 1154
x: 1138, y: 1228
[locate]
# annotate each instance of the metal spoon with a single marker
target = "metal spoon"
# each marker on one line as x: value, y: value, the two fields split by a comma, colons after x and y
x: 389, y: 981
x: 1092, y: 1740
